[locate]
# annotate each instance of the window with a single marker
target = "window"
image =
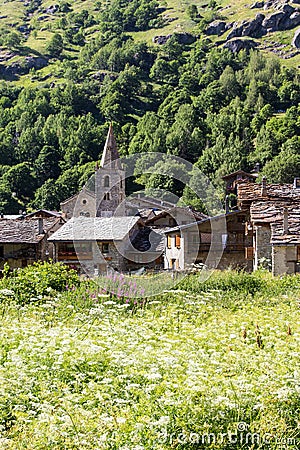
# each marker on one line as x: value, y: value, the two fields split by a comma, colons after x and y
x: 1, y: 251
x: 249, y: 253
x: 169, y: 241
x: 106, y: 181
x: 84, y: 247
x: 106, y: 196
x: 105, y: 247
x: 177, y: 240
x: 84, y: 202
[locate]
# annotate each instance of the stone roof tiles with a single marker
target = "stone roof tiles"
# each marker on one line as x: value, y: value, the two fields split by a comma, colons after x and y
x: 248, y: 192
x: 95, y: 229
x: 25, y: 230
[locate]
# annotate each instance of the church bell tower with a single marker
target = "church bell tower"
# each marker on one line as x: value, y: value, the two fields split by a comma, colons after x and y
x: 110, y: 180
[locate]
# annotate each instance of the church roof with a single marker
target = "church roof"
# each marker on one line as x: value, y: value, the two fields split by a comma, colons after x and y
x: 110, y: 152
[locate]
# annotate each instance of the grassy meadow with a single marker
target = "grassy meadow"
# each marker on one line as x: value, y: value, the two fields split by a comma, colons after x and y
x: 206, y: 365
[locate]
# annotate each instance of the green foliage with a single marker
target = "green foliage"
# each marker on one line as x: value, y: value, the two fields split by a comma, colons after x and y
x: 227, y: 281
x: 178, y: 365
x: 40, y: 281
x: 220, y: 110
x: 55, y: 46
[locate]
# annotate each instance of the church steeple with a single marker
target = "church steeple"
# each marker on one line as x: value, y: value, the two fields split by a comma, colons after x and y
x: 110, y: 155
x: 110, y: 180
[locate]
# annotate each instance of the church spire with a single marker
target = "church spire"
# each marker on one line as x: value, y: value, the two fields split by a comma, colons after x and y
x: 110, y: 152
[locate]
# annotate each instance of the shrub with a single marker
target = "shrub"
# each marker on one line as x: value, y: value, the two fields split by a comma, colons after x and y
x: 39, y: 280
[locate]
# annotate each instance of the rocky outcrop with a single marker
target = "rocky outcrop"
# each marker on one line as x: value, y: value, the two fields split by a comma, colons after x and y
x: 252, y: 28
x: 296, y: 39
x: 182, y: 38
x: 52, y: 9
x: 217, y: 27
x: 23, y: 66
x: 271, y: 23
x: 185, y: 38
x: 257, y: 5
x: 161, y: 40
x: 237, y: 44
x: 292, y: 21
x: 286, y: 18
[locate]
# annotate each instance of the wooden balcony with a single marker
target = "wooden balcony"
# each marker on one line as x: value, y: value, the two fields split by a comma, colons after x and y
x: 73, y: 256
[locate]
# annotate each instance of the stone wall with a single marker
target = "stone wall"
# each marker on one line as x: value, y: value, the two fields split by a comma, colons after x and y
x: 82, y: 204
x: 284, y: 259
x: 109, y: 196
x: 262, y: 245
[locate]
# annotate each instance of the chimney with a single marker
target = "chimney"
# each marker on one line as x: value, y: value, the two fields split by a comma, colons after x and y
x: 264, y: 186
x: 285, y: 221
x: 40, y: 226
x: 227, y: 204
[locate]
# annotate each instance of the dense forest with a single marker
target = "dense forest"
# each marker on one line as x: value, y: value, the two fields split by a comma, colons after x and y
x: 219, y: 109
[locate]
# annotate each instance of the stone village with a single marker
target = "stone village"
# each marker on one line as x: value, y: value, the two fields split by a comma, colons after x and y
x: 99, y: 228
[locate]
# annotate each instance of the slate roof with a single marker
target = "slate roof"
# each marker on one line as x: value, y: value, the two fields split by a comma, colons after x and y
x: 44, y: 212
x: 95, y: 228
x: 293, y: 235
x: 11, y: 216
x: 220, y: 217
x: 268, y: 211
x: 248, y: 191
x: 239, y: 172
x: 24, y: 231
x: 186, y: 211
x: 148, y: 239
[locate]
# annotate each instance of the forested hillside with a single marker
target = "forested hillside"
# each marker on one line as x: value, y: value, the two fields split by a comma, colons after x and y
x: 68, y: 69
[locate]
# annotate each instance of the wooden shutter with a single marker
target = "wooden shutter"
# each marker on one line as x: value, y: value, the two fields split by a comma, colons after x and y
x: 249, y: 252
x: 177, y: 240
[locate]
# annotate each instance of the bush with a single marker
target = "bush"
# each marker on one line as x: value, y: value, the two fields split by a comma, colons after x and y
x: 225, y: 281
x: 38, y: 280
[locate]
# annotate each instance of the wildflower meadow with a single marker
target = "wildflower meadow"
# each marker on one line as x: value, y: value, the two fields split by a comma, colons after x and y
x: 211, y: 365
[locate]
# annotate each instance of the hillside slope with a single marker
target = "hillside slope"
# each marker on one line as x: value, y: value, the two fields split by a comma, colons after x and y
x: 27, y: 27
x: 222, y: 101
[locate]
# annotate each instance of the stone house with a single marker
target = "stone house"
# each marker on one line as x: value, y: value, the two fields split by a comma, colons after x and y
x: 285, y: 241
x: 138, y: 221
x: 25, y: 240
x: 233, y: 178
x: 269, y: 209
x: 95, y: 244
x: 217, y: 242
